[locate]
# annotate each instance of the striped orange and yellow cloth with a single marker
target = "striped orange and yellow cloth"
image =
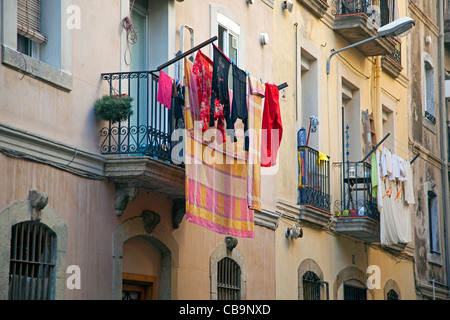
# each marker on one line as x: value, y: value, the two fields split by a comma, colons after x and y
x: 218, y: 178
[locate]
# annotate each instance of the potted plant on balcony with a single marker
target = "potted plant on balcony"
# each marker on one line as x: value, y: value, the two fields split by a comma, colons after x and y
x: 114, y: 108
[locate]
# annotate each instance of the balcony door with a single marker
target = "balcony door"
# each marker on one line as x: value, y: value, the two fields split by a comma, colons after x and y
x: 139, y: 83
x: 150, y: 124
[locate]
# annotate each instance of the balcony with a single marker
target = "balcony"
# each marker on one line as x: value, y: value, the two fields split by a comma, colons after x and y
x: 139, y: 149
x: 317, y: 7
x: 356, y: 213
x: 392, y: 63
x: 357, y: 20
x: 314, y: 187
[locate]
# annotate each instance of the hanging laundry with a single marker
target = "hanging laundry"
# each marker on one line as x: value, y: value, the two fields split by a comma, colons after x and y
x: 178, y: 104
x: 192, y: 111
x: 239, y: 101
x: 203, y: 70
x: 321, y: 159
x: 272, y: 127
x: 221, y: 69
x: 164, y: 95
x: 255, y: 105
x: 374, y: 175
x: 215, y: 192
x: 394, y: 198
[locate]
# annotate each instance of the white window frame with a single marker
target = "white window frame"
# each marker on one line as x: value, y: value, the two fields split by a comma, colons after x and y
x: 427, y: 60
x: 231, y: 28
x: 53, y: 65
x: 224, y: 17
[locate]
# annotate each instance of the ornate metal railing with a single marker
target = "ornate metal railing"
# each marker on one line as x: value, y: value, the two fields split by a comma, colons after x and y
x: 376, y: 10
x: 343, y: 7
x: 357, y: 199
x: 314, y: 179
x: 396, y: 55
x: 148, y: 130
x: 430, y: 117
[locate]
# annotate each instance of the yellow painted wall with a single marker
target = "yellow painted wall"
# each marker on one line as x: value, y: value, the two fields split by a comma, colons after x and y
x: 331, y: 251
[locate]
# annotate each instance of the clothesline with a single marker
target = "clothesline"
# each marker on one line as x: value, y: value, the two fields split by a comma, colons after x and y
x: 196, y: 48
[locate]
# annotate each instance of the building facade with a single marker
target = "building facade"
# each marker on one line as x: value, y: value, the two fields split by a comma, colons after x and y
x: 91, y: 209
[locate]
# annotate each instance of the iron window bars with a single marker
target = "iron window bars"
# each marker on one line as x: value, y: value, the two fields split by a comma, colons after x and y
x: 228, y: 280
x: 32, y: 262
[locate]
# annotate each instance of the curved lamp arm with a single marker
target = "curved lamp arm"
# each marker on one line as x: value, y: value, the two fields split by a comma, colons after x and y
x: 349, y: 47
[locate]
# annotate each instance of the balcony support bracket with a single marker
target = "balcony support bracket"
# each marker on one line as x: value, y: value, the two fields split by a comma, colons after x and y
x: 125, y: 192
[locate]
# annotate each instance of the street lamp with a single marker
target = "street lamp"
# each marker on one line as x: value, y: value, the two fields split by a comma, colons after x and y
x: 397, y: 28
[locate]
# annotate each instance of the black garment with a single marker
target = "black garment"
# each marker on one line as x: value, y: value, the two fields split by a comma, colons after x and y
x: 178, y: 105
x: 219, y: 86
x: 239, y: 104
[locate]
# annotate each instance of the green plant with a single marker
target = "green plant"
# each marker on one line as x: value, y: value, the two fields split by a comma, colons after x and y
x: 113, y: 108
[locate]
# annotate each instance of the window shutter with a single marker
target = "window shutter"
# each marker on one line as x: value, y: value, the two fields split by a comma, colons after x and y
x: 29, y: 20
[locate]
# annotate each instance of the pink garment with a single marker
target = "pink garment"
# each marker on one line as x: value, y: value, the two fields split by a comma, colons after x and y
x: 165, y: 89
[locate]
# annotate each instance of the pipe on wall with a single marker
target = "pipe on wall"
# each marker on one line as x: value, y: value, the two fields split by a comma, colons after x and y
x: 443, y: 136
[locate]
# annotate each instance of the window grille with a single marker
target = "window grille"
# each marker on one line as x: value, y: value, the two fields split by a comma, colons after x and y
x: 31, y: 262
x: 228, y: 280
x: 311, y: 286
x: 29, y: 20
x: 392, y: 295
x: 354, y: 293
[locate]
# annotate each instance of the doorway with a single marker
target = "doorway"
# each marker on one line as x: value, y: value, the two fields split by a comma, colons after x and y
x: 138, y: 287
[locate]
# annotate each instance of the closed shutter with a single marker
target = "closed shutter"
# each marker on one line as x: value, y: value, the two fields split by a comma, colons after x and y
x: 29, y: 20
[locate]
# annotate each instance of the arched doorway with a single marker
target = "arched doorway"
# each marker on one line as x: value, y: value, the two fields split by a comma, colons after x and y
x: 156, y: 268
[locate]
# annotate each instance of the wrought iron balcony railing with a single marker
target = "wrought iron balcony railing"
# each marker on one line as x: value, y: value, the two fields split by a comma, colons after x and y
x: 376, y: 10
x: 357, y: 199
x: 314, y: 179
x: 396, y: 55
x: 147, y: 132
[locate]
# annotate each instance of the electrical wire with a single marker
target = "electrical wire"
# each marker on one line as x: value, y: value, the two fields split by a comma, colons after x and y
x: 20, y: 155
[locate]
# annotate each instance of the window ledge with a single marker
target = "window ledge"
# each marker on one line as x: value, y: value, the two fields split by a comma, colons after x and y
x: 429, y: 125
x: 37, y: 69
x: 435, y: 259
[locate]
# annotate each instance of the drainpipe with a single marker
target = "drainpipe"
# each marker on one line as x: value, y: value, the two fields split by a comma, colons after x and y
x: 443, y: 136
x: 378, y: 113
x: 434, y: 286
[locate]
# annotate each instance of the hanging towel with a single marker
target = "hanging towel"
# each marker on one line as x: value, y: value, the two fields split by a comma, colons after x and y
x: 374, y: 175
x: 216, y: 196
x: 272, y: 127
x: 164, y: 95
x: 395, y: 215
x: 255, y: 103
x: 322, y: 157
x: 192, y: 111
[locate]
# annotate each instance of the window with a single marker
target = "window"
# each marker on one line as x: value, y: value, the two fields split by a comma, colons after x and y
x: 352, y: 292
x: 311, y: 286
x: 29, y: 35
x: 392, y: 295
x: 433, y: 216
x: 138, y: 287
x: 36, y: 40
x: 228, y: 280
x: 32, y: 262
x: 228, y: 37
x: 429, y: 94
